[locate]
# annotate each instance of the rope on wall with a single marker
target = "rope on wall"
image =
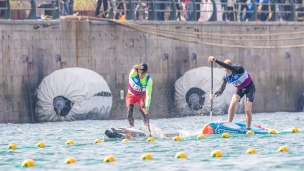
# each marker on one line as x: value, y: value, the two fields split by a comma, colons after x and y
x: 194, y: 37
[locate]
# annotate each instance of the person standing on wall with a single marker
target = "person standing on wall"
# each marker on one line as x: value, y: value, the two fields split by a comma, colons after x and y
x: 238, y: 77
x: 105, y: 8
x: 139, y: 90
x: 2, y: 5
x: 189, y: 9
x: 71, y: 7
x: 65, y: 9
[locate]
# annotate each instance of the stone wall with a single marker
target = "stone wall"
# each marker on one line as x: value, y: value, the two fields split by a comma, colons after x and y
x: 111, y: 50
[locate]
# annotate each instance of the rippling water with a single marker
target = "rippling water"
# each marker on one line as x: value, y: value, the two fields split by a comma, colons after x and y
x: 90, y: 156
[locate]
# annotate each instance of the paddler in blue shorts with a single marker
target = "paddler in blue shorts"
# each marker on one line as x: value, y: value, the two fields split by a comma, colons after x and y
x: 238, y: 77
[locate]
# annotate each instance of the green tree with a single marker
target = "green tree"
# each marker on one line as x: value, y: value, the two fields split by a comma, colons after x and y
x: 84, y: 5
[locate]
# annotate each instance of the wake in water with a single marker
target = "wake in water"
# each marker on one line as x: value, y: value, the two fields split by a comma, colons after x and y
x: 181, y: 131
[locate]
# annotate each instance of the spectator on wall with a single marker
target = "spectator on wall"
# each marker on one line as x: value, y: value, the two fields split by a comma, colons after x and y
x: 141, y: 7
x: 160, y: 15
x: 105, y: 8
x: 178, y: 10
x: 71, y: 7
x: 198, y: 9
x: 230, y: 12
x: 264, y: 10
x: 287, y: 9
x: 243, y: 4
x: 281, y: 14
x: 64, y: 7
x: 224, y: 9
x: 2, y: 5
x: 189, y: 9
x: 120, y: 9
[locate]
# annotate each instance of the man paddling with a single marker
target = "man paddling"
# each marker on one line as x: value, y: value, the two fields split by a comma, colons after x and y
x: 139, y: 90
x: 238, y: 77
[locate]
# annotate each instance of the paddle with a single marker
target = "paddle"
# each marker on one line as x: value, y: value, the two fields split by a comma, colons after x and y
x: 148, y: 124
x: 149, y: 129
x: 211, y: 91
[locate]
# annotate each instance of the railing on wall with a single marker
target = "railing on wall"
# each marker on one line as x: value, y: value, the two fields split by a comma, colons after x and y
x: 29, y: 7
x: 173, y: 10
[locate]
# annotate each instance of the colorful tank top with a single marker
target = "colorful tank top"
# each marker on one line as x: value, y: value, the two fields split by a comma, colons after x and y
x: 137, y: 86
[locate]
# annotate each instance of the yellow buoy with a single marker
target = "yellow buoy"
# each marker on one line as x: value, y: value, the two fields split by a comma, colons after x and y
x: 12, y: 146
x: 97, y: 141
x: 294, y: 130
x: 225, y: 135
x: 216, y: 153
x: 150, y: 139
x: 109, y: 159
x: 181, y: 155
x: 250, y: 132
x: 40, y: 145
x: 70, y: 160
x: 146, y: 156
x: 69, y: 142
x: 125, y: 140
x: 272, y: 131
x: 283, y: 149
x: 251, y: 151
x: 201, y: 136
x: 177, y: 138
x: 28, y: 163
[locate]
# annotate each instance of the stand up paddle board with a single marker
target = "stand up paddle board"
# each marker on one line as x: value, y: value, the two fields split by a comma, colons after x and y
x: 125, y: 133
x: 231, y: 127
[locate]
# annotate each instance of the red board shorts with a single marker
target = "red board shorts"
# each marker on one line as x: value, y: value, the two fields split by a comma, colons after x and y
x: 132, y: 99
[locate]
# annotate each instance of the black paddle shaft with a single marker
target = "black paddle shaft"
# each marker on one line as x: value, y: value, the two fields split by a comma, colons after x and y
x: 142, y: 97
x: 211, y: 91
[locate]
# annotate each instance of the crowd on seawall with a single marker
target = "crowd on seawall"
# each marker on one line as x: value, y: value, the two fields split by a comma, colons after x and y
x: 161, y: 10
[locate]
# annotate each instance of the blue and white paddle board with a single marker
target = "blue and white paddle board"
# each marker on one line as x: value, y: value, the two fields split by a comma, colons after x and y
x: 231, y: 127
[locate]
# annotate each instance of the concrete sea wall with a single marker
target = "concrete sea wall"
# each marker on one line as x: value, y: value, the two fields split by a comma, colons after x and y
x: 28, y: 50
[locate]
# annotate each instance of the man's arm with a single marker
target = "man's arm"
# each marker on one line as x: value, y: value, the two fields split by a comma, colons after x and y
x: 133, y: 72
x: 148, y: 93
x: 236, y: 69
x: 222, y: 88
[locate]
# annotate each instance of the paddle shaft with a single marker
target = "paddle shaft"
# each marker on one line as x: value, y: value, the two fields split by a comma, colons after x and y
x: 211, y: 107
x: 148, y: 124
x: 142, y: 97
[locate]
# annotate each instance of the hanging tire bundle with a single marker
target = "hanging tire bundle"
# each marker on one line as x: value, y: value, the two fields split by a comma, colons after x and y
x: 192, y: 92
x: 195, y: 98
x: 73, y: 94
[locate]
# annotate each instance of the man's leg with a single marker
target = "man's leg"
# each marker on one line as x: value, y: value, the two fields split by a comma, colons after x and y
x: 66, y: 7
x: 224, y: 9
x: 98, y: 5
x: 248, y: 107
x: 231, y: 110
x: 3, y: 5
x: 130, y: 101
x: 71, y: 7
x: 130, y: 115
x: 189, y: 10
x: 105, y: 8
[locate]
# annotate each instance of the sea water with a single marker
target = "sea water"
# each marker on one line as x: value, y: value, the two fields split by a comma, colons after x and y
x: 90, y: 156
